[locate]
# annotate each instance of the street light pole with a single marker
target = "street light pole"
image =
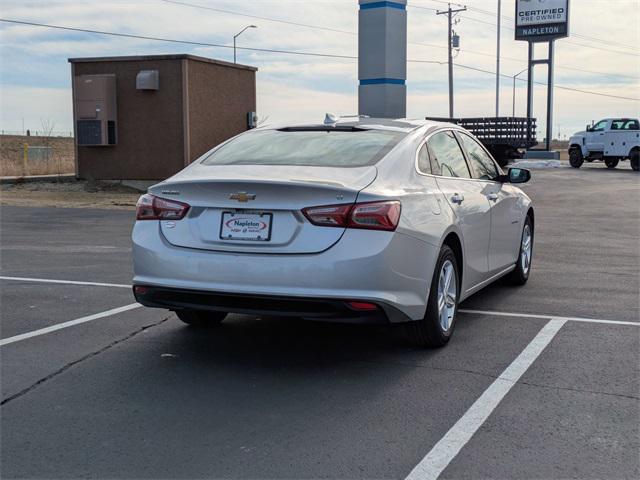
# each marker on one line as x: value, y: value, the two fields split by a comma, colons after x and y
x: 513, y: 113
x: 236, y: 36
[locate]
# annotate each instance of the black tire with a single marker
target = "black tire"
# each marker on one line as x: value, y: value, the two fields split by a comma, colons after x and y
x: 200, y: 318
x: 634, y: 159
x: 611, y: 162
x: 503, y: 162
x: 575, y: 158
x: 520, y: 275
x: 428, y: 332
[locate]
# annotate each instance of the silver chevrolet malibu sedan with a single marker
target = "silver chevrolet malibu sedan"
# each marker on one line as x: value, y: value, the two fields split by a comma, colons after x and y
x: 348, y: 220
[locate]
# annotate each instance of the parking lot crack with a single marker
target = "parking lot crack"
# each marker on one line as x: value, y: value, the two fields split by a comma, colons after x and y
x: 580, y: 390
x: 80, y: 360
x: 431, y: 367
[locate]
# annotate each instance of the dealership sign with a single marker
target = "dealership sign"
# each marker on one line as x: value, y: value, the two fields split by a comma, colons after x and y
x: 542, y: 20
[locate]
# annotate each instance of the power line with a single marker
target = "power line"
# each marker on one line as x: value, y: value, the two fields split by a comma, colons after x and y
x: 277, y: 20
x: 571, y: 89
x: 269, y: 50
x: 571, y: 42
x: 188, y: 42
x: 506, y: 27
x: 511, y: 19
x: 287, y: 22
x: 320, y: 27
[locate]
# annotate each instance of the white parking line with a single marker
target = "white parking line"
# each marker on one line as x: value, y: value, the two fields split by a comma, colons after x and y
x: 70, y: 323
x: 547, y: 317
x: 457, y: 437
x: 477, y: 312
x: 68, y: 282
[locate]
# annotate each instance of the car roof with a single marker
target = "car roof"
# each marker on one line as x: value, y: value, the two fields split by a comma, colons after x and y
x: 405, y: 125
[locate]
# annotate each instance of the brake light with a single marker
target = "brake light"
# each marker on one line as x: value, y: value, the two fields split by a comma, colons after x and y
x: 150, y: 207
x: 368, y: 215
x: 329, y: 215
x: 375, y: 215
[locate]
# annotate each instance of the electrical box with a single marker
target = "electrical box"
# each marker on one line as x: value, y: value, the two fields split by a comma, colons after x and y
x: 94, y: 106
x: 252, y: 120
x: 455, y: 41
x: 148, y: 80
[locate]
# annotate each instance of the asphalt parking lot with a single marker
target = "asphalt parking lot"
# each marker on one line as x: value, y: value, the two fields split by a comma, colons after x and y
x: 541, y: 381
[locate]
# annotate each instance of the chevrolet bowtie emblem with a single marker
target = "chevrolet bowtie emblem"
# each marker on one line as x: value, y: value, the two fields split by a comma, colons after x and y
x: 242, y: 196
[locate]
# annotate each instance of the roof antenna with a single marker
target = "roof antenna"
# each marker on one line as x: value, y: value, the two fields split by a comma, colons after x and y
x: 331, y: 118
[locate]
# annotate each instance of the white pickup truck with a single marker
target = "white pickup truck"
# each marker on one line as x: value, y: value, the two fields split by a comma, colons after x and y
x: 611, y: 140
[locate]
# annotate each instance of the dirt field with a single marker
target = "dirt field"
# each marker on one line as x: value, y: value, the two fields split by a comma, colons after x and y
x: 76, y: 194
x: 58, y: 160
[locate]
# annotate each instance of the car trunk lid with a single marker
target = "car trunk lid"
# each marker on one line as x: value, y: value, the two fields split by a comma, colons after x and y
x: 257, y: 208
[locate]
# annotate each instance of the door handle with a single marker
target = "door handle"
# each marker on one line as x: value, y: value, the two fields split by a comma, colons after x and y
x: 493, y: 196
x: 457, y: 198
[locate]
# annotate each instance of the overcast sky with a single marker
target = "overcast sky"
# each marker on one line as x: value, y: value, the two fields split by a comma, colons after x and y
x: 605, y: 37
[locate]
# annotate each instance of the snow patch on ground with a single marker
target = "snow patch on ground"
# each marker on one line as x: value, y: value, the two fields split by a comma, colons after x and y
x: 537, y: 164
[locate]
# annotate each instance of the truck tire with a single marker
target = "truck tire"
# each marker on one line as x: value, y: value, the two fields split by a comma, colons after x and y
x: 611, y: 162
x: 634, y: 159
x: 575, y: 158
x: 502, y: 154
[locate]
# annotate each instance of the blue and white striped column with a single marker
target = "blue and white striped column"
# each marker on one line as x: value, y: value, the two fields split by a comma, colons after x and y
x: 382, y: 58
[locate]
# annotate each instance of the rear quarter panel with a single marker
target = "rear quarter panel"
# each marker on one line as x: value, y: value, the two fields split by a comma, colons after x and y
x: 425, y: 214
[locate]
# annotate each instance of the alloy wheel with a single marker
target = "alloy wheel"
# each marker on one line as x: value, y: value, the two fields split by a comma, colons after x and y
x: 525, y: 249
x: 447, y: 294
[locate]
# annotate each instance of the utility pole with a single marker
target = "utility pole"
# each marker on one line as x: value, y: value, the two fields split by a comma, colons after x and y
x: 450, y: 13
x: 498, y: 62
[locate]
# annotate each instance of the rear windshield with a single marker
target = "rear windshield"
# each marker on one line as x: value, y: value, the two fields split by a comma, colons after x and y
x: 326, y: 148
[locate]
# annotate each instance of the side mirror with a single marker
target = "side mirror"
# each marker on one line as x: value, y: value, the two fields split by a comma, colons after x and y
x: 519, y: 175
x: 588, y: 129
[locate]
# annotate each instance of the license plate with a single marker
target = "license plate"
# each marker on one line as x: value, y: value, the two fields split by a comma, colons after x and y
x: 246, y: 226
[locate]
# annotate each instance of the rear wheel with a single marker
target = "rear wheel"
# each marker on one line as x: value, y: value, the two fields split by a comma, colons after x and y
x: 436, y: 328
x: 611, y: 162
x: 200, y: 318
x: 520, y: 275
x: 634, y: 159
x: 575, y: 158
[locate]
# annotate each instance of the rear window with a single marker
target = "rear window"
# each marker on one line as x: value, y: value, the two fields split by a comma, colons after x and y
x: 324, y: 148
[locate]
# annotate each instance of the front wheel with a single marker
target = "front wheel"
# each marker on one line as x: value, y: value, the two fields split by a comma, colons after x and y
x: 436, y: 328
x: 200, y: 318
x: 635, y: 160
x: 575, y: 158
x: 520, y: 274
x: 611, y: 162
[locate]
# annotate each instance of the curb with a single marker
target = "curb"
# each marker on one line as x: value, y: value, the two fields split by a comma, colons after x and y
x: 38, y: 178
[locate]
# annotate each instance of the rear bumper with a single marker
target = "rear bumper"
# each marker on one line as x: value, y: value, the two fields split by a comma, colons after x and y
x: 389, y: 269
x: 333, y: 310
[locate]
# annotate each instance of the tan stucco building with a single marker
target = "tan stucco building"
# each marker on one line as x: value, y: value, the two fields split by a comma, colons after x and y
x: 146, y: 117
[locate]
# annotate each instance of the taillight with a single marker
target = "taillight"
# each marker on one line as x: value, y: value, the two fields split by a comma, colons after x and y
x: 329, y: 215
x: 375, y: 215
x: 369, y: 215
x: 150, y: 207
